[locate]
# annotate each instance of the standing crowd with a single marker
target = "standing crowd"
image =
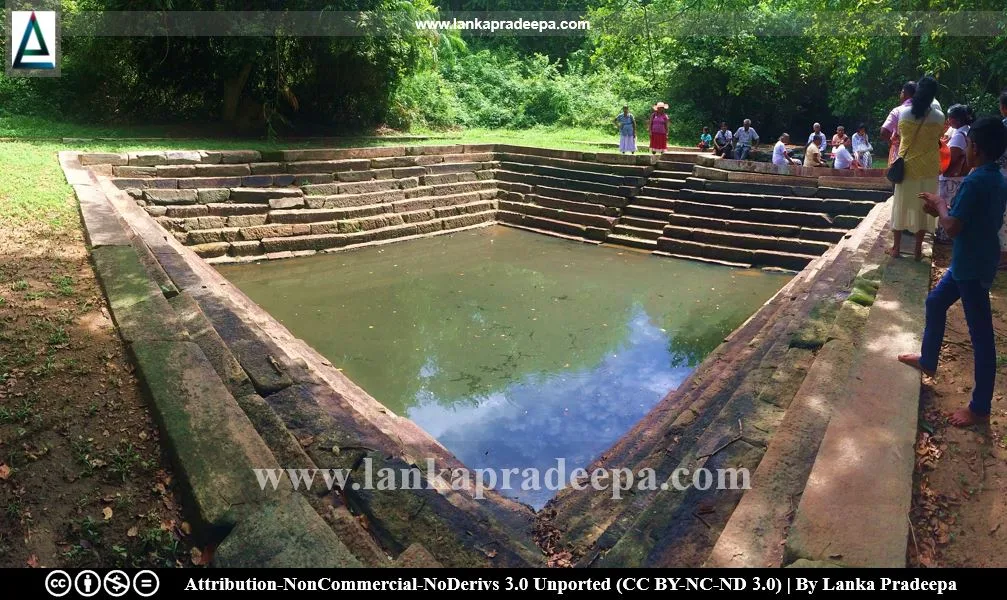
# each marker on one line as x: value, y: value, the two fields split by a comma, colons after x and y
x: 950, y: 176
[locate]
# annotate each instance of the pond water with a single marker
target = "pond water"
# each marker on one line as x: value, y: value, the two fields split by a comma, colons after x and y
x: 513, y: 349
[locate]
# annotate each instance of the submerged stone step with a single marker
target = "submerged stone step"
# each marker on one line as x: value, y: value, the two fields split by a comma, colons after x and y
x: 637, y: 232
x: 631, y: 241
x: 584, y: 207
x: 541, y: 222
x: 756, y: 257
x: 712, y: 261
x: 557, y: 214
x: 642, y: 223
x: 746, y: 240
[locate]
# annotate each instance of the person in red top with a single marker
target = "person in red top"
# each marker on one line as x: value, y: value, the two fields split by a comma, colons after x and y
x: 658, y: 127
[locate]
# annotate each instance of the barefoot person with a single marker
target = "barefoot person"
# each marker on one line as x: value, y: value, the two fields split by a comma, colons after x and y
x: 973, y: 224
x: 658, y: 126
x: 627, y: 131
x: 920, y: 127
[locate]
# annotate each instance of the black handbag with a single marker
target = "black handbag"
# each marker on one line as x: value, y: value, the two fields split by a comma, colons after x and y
x: 897, y: 170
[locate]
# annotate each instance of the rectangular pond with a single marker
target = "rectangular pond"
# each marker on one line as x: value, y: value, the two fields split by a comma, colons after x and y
x: 513, y: 349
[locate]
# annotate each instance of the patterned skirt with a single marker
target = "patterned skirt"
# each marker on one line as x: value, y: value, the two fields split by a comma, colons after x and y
x: 947, y: 188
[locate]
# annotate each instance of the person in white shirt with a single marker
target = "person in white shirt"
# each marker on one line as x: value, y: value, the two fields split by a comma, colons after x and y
x: 844, y: 160
x: 959, y: 119
x: 862, y: 147
x: 780, y: 154
x: 817, y: 137
x: 745, y: 140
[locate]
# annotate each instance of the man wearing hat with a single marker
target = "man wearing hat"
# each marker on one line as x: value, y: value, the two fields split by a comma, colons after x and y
x: 658, y: 126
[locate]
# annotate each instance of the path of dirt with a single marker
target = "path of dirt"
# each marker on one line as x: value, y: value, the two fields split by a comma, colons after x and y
x: 83, y: 481
x: 960, y: 494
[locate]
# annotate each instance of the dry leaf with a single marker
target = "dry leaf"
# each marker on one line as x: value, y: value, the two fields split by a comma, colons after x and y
x: 33, y: 562
x: 132, y: 531
x: 201, y: 557
x: 107, y: 511
x: 4, y: 472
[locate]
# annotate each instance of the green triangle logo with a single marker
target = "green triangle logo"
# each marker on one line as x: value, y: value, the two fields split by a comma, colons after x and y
x: 23, y: 51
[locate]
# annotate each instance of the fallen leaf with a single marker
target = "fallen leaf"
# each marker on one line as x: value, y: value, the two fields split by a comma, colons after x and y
x: 306, y: 441
x: 107, y: 511
x: 33, y: 562
x: 132, y: 531
x: 4, y: 472
x: 186, y: 528
x: 201, y: 557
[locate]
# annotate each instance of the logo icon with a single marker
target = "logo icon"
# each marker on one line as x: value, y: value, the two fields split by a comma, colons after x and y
x: 33, y: 40
x: 146, y: 583
x: 116, y: 583
x: 58, y: 583
x: 87, y: 583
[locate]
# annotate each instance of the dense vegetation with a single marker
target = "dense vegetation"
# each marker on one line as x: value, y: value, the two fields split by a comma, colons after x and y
x: 822, y: 62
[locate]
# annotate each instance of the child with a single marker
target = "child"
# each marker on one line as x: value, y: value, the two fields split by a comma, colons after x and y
x: 973, y: 224
x: 705, y: 139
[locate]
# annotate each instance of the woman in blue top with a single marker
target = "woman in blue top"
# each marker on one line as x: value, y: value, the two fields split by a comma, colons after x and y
x: 973, y: 225
x: 627, y: 131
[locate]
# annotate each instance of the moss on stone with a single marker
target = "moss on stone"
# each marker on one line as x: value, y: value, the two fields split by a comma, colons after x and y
x: 814, y: 332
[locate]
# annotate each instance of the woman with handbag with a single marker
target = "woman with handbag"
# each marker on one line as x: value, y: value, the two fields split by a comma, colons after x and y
x: 915, y: 171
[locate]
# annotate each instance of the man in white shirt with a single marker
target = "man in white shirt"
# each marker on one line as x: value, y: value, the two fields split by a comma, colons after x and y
x: 817, y: 137
x: 780, y: 154
x: 844, y: 160
x: 745, y: 139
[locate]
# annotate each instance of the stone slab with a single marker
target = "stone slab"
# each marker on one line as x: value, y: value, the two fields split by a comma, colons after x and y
x: 101, y: 220
x: 214, y: 445
x: 287, y: 534
x: 856, y: 504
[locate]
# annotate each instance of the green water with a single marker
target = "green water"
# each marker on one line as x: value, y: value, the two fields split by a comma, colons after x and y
x: 511, y: 348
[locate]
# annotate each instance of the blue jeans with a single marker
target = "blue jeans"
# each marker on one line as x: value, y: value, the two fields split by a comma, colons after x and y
x: 976, y: 303
x: 742, y: 152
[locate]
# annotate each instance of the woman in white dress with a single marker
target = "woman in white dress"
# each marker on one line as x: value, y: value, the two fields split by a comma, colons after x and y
x: 960, y: 117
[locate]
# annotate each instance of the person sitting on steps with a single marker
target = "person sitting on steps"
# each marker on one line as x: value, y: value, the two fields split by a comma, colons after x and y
x: 745, y: 140
x: 972, y: 224
x: 780, y: 154
x: 723, y: 142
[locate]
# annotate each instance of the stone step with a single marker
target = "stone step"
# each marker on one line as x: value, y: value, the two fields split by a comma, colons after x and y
x: 549, y: 232
x: 325, y: 241
x: 584, y: 207
x: 656, y: 192
x: 575, y: 165
x: 666, y: 164
x: 558, y: 214
x: 631, y: 241
x: 745, y: 240
x: 759, y: 215
x: 655, y: 202
x: 608, y: 200
x: 318, y: 215
x: 794, y: 203
x: 648, y: 212
x: 788, y: 190
x: 569, y: 174
x: 564, y: 227
x: 642, y: 223
x: 762, y: 258
x: 637, y: 232
x: 770, y: 229
x: 666, y: 183
x: 712, y: 261
x: 561, y: 183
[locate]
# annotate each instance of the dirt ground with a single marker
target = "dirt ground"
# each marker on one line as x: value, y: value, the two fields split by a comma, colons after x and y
x: 960, y: 496
x: 83, y: 481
